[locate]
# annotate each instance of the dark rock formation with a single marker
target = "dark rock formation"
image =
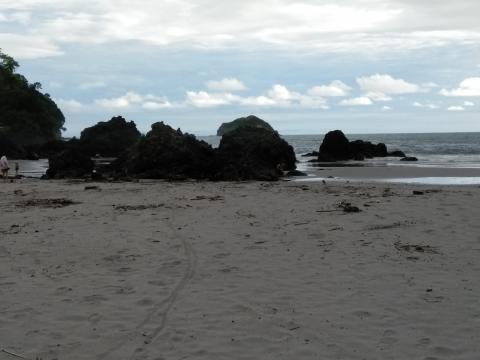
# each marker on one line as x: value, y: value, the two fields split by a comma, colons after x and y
x: 336, y: 147
x: 254, y: 154
x: 409, y: 158
x: 165, y: 153
x: 110, y: 138
x: 249, y: 121
x: 70, y: 163
x: 52, y: 148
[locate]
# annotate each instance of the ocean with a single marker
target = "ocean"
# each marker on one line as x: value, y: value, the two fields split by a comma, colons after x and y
x: 437, y: 150
x: 460, y: 150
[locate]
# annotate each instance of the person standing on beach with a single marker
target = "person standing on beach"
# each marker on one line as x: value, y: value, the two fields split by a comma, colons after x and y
x: 4, y: 167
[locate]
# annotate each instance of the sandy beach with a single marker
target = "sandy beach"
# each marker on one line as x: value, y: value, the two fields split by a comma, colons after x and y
x: 194, y: 270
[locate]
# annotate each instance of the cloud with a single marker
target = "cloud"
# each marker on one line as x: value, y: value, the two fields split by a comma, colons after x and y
x: 368, y: 26
x: 227, y: 84
x: 384, y: 84
x: 426, y: 105
x: 69, y: 105
x: 456, y: 108
x: 336, y: 88
x: 203, y: 99
x: 468, y: 103
x: 130, y: 99
x: 20, y: 17
x: 359, y: 101
x: 468, y: 87
x: 386, y: 108
x: 30, y: 46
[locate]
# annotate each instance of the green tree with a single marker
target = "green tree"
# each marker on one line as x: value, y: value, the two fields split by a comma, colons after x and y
x: 27, y: 116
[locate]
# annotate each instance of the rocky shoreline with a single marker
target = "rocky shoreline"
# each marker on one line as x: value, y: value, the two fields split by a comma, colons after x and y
x: 250, y: 149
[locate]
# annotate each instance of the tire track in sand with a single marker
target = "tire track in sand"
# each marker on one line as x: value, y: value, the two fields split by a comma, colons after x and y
x: 161, y: 309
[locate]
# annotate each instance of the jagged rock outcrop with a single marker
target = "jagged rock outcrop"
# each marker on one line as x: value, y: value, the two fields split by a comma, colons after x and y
x: 165, y: 153
x: 70, y: 163
x: 109, y: 138
x: 248, y: 153
x: 249, y: 121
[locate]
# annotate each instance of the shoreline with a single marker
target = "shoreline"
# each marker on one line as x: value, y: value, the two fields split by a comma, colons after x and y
x: 395, y: 174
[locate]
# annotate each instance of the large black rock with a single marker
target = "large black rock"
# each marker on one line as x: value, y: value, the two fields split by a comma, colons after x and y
x: 248, y: 153
x: 110, y: 138
x: 336, y: 147
x: 70, y: 163
x: 249, y: 121
x: 165, y: 153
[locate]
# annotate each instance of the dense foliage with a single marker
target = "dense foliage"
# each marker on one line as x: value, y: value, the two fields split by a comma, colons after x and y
x: 27, y: 117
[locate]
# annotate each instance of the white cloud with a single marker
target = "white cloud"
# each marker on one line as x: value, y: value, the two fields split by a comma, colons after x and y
x: 258, y: 101
x: 203, y: 99
x: 349, y: 26
x: 130, y: 99
x: 156, y: 105
x: 468, y: 103
x: 69, y: 105
x: 468, y: 87
x: 29, y: 46
x: 386, y: 108
x: 20, y: 17
x: 376, y: 96
x: 384, y: 84
x: 227, y: 84
x: 456, y: 108
x: 426, y: 105
x: 336, y: 88
x: 359, y: 101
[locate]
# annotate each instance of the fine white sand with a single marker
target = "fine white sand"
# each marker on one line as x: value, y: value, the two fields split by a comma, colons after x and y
x: 157, y: 270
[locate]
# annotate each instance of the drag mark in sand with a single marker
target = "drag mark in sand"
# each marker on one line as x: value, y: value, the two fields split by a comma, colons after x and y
x: 160, y: 310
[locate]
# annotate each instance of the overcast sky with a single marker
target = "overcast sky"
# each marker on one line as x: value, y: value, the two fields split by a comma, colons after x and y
x: 305, y: 66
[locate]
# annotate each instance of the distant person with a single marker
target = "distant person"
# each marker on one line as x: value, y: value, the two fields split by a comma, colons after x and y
x: 4, y: 167
x: 17, y: 169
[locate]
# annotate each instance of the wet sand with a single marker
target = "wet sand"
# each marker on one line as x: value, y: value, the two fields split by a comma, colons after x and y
x: 157, y: 270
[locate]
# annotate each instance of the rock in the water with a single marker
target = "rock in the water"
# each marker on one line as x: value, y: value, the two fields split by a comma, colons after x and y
x: 254, y: 154
x: 409, y: 158
x: 165, y: 153
x: 335, y: 147
x: 397, y: 153
x: 70, y: 163
x: 110, y: 138
x: 249, y: 121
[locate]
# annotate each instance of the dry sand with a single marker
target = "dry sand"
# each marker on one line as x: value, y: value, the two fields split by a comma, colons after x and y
x: 157, y: 270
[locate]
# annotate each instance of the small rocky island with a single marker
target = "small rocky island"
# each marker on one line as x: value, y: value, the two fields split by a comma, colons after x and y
x: 337, y: 147
x: 245, y: 122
